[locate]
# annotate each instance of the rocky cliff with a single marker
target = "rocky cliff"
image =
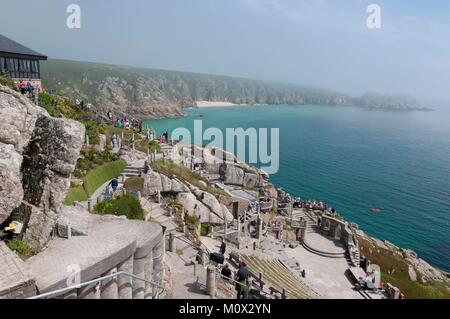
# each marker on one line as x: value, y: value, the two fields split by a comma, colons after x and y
x: 161, y: 94
x: 37, y: 155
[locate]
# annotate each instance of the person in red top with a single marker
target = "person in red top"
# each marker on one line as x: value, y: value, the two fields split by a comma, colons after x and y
x: 22, y: 87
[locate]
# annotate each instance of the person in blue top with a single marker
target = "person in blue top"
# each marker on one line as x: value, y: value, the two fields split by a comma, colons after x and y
x: 114, y: 184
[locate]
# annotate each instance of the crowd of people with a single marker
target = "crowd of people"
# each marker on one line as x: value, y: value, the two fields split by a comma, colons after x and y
x: 27, y: 88
x: 125, y: 123
x: 313, y: 204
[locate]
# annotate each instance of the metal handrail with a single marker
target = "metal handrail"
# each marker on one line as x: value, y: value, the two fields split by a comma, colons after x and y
x: 94, y: 281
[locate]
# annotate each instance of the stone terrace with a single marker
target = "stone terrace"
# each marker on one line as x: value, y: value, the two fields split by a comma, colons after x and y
x: 16, y: 281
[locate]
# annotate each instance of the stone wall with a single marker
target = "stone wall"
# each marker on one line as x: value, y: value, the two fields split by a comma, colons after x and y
x: 336, y: 228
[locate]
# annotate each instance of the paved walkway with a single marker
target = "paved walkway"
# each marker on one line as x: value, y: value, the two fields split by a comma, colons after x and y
x: 328, y: 276
x: 186, y: 284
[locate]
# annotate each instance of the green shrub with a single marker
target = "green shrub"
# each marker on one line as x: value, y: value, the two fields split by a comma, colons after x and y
x: 75, y: 194
x: 8, y: 82
x: 22, y: 248
x: 125, y: 205
x: 135, y: 183
x: 394, y: 270
x: 191, y: 220
x: 205, y: 228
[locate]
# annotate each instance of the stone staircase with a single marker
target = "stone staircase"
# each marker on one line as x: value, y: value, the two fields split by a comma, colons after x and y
x: 157, y: 213
x: 134, y: 169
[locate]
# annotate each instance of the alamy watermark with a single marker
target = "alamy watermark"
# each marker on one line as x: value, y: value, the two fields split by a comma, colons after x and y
x: 374, y: 19
x: 74, y: 19
x: 255, y: 146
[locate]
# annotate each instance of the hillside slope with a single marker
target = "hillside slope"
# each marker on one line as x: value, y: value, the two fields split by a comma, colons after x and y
x: 160, y: 94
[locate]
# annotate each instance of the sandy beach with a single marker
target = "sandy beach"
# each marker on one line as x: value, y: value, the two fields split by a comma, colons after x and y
x: 215, y: 104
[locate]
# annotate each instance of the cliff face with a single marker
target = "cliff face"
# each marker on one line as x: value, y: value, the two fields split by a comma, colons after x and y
x: 37, y: 155
x: 161, y: 94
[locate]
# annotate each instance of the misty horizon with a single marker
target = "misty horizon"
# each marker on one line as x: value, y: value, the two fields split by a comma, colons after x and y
x: 317, y: 44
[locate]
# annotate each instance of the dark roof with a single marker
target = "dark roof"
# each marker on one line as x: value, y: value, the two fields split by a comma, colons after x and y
x: 10, y: 46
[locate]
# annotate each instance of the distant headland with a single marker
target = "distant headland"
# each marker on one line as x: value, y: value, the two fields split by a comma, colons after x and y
x: 157, y: 94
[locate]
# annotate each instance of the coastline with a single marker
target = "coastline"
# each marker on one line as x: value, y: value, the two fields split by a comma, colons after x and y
x: 201, y: 104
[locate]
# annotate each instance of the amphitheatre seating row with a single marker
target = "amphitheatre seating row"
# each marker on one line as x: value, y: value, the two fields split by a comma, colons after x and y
x: 280, y: 277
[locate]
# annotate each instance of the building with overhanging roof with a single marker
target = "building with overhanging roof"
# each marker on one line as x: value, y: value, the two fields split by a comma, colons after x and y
x: 19, y: 62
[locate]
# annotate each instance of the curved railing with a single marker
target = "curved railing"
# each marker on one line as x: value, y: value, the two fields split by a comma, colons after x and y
x: 95, y: 281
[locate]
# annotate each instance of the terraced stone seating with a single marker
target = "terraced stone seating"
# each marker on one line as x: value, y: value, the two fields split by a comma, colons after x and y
x: 280, y: 277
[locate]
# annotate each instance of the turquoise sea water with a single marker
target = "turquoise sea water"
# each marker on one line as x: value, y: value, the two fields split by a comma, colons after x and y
x: 357, y: 159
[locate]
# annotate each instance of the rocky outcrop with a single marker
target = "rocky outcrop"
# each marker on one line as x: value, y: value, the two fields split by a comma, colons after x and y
x: 11, y: 191
x: 130, y: 156
x: 195, y: 201
x: 419, y: 266
x: 194, y: 207
x: 418, y: 269
x: 154, y: 182
x: 213, y: 204
x: 43, y: 153
x: 18, y: 119
x: 231, y: 174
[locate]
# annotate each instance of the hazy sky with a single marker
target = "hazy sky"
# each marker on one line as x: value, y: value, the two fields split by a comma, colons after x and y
x: 322, y: 42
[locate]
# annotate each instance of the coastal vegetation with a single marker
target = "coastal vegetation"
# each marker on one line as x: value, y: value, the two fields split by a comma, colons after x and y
x: 24, y: 249
x: 171, y: 169
x: 6, y: 81
x: 59, y: 106
x: 394, y: 270
x: 124, y: 205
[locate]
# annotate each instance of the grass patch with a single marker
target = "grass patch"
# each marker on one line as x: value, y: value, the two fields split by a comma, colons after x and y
x: 76, y: 194
x: 22, y: 248
x: 135, y: 183
x: 92, y: 160
x: 125, y: 205
x: 171, y: 169
x: 395, y: 271
x: 94, y: 180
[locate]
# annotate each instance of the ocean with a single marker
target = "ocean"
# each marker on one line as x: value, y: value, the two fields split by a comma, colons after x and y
x: 357, y: 159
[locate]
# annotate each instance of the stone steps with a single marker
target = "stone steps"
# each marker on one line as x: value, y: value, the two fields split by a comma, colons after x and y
x: 322, y: 253
x: 277, y: 274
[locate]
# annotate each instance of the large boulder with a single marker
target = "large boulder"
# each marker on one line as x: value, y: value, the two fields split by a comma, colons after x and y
x: 18, y: 118
x: 216, y: 208
x: 166, y: 183
x: 11, y: 192
x: 252, y: 180
x: 232, y: 174
x: 42, y: 152
x: 178, y: 187
x: 194, y: 207
x: 152, y: 183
